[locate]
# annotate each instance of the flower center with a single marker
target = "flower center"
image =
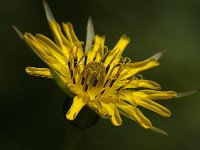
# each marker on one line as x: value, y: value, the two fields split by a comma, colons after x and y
x: 93, y: 75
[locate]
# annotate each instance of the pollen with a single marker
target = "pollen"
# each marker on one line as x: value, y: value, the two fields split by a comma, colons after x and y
x: 93, y: 75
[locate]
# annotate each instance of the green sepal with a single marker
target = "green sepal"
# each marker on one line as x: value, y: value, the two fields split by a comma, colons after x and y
x: 60, y: 82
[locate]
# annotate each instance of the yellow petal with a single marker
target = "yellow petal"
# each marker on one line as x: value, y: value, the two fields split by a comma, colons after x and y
x: 32, y: 43
x: 62, y: 81
x: 53, y: 47
x: 134, y: 113
x: 156, y: 95
x: 59, y: 38
x: 117, y: 50
x: 144, y: 84
x: 97, y: 51
x: 50, y: 48
x: 42, y: 72
x: 138, y: 98
x: 43, y: 51
x: 113, y: 113
x: 97, y: 107
x: 134, y: 68
x: 69, y: 31
x: 75, y: 108
x: 122, y: 44
x: 60, y: 68
x: 127, y: 98
x: 151, y: 105
x: 48, y: 52
x: 72, y: 38
x: 114, y: 56
x: 76, y: 89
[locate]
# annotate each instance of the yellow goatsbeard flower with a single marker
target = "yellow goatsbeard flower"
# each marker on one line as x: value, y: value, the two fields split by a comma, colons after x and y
x: 97, y: 77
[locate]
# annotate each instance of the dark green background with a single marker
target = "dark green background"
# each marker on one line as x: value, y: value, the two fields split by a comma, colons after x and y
x: 31, y: 107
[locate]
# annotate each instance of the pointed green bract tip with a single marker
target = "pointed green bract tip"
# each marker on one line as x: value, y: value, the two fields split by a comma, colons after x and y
x: 158, y: 55
x: 155, y: 129
x: 90, y: 34
x: 48, y: 12
x: 19, y: 33
x: 179, y: 95
x: 60, y: 82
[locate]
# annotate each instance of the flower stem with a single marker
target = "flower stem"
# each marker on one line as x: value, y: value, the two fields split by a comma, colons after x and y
x: 72, y: 138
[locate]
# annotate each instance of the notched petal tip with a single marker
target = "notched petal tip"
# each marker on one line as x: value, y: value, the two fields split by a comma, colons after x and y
x: 75, y: 108
x: 48, y: 12
x: 90, y: 34
x: 127, y: 38
x: 70, y: 116
x: 158, y: 55
x: 179, y: 95
x: 42, y: 72
x: 28, y: 70
x: 19, y: 33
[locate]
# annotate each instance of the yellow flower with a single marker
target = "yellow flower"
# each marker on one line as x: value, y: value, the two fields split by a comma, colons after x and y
x: 97, y: 77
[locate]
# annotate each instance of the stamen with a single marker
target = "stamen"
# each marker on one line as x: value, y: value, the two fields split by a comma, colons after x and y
x: 71, y: 73
x: 92, y: 79
x: 106, y: 82
x: 141, y: 77
x: 74, y: 81
x: 119, y: 70
x: 71, y: 62
x: 105, y: 55
x: 114, y: 66
x: 96, y: 54
x: 122, y: 62
x: 127, y: 60
x: 105, y: 49
x: 124, y: 86
x: 115, y: 57
x: 82, y: 80
x: 76, y: 47
x: 84, y: 56
x: 95, y: 82
x: 86, y: 87
x: 85, y: 60
x: 69, y: 65
x: 119, y: 88
x: 112, y: 82
x: 75, y: 62
x: 107, y: 68
x: 102, y: 92
x: 93, y: 75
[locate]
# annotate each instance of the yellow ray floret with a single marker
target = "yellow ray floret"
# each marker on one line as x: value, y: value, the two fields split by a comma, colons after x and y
x: 42, y: 72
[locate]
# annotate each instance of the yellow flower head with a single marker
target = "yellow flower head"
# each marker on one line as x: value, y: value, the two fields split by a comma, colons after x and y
x: 96, y: 76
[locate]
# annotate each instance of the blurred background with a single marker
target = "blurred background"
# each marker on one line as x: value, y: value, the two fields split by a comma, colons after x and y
x: 31, y: 114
